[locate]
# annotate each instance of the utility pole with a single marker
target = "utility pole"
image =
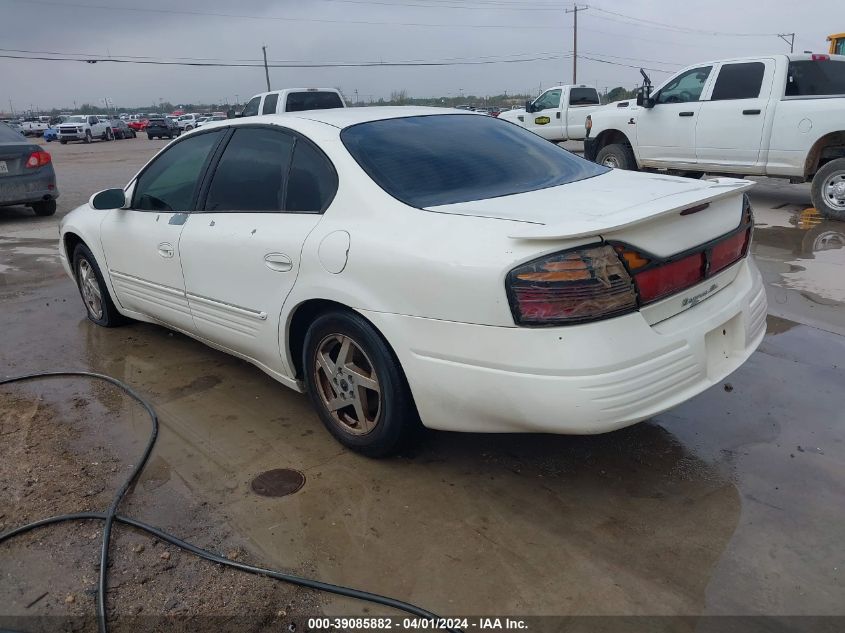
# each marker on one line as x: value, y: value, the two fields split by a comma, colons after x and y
x: 790, y: 41
x: 574, y: 10
x: 266, y: 70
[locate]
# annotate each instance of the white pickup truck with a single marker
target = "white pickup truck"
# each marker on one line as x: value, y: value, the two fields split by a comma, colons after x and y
x: 293, y: 100
x: 558, y: 114
x: 85, y: 128
x: 781, y: 116
x: 35, y: 126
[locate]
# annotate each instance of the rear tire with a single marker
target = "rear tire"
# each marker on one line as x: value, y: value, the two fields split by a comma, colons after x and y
x: 828, y: 190
x: 357, y: 385
x: 98, y: 304
x: 45, y: 208
x: 617, y: 156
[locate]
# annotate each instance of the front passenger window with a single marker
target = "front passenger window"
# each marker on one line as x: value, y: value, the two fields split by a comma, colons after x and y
x: 686, y: 87
x: 251, y: 108
x: 171, y: 181
x: 549, y: 99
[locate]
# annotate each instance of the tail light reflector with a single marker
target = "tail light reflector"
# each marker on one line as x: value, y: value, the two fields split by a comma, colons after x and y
x: 574, y: 286
x: 667, y: 279
x: 38, y: 159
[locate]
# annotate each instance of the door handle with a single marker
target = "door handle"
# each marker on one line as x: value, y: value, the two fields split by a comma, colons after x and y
x: 165, y: 249
x: 751, y: 111
x: 558, y: 115
x: 278, y: 262
x: 686, y: 113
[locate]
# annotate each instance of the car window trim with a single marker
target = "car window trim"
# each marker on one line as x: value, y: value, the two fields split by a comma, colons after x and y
x: 170, y: 146
x: 297, y: 137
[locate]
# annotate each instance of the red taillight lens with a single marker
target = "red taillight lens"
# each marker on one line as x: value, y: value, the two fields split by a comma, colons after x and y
x: 570, y: 287
x: 37, y: 159
x: 667, y: 279
x: 726, y: 253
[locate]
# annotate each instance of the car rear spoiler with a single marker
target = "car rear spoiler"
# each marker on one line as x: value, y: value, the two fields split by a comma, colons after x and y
x: 586, y: 225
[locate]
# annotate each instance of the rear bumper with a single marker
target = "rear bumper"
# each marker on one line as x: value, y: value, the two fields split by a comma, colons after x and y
x: 28, y: 188
x: 591, y: 148
x: 582, y: 379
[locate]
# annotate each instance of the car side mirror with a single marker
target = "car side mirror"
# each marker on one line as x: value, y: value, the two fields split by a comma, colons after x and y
x: 108, y: 199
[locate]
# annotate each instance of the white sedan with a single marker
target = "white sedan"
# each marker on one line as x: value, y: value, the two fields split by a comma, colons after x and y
x: 414, y: 265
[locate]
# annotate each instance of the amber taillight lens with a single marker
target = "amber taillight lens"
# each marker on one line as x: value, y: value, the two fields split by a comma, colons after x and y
x: 574, y: 286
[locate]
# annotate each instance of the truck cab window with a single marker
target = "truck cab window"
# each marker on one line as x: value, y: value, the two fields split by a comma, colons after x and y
x: 251, y: 108
x: 270, y: 102
x: 739, y: 81
x: 686, y: 87
x: 547, y: 100
x: 583, y: 96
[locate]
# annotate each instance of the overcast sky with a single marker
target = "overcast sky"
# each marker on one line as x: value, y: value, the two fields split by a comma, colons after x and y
x: 373, y: 30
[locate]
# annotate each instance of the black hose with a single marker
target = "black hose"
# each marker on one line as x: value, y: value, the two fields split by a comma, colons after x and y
x: 110, y: 516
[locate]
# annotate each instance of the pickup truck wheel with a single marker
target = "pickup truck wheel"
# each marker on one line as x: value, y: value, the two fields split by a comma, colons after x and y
x: 87, y: 138
x: 43, y: 209
x: 63, y: 141
x: 828, y: 190
x: 617, y: 156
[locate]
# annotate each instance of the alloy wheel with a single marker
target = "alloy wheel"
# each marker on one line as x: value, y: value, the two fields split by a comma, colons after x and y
x: 347, y: 383
x: 834, y: 190
x: 90, y: 289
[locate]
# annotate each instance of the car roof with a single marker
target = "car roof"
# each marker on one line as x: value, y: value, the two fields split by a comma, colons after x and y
x: 345, y: 117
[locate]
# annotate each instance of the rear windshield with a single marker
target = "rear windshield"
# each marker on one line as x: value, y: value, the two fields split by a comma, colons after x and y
x: 427, y: 161
x: 809, y: 78
x: 8, y: 135
x: 298, y: 101
x: 583, y: 96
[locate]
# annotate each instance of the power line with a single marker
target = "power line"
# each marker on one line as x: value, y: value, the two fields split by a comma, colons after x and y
x: 484, y: 7
x: 672, y: 27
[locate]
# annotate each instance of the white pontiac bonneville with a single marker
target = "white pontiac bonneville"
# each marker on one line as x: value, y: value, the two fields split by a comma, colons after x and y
x: 407, y: 265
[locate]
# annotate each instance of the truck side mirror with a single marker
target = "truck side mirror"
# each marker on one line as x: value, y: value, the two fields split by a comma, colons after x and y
x: 645, y: 101
x: 528, y: 107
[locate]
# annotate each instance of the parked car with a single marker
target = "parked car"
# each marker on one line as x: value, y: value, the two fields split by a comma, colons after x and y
x: 14, y: 125
x: 162, y: 127
x: 26, y: 174
x: 137, y: 122
x: 558, y: 114
x: 120, y: 129
x: 777, y: 115
x: 399, y: 265
x: 293, y: 100
x: 187, y: 122
x: 211, y: 119
x: 51, y: 133
x: 85, y: 128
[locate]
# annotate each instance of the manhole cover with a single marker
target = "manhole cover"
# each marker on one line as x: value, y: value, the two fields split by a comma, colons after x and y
x: 278, y: 483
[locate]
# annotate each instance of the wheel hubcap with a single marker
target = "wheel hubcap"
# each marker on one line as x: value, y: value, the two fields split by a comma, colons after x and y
x: 610, y: 161
x: 347, y: 383
x: 90, y: 289
x: 834, y: 190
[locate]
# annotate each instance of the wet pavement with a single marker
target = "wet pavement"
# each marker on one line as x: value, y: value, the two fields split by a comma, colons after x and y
x: 731, y: 504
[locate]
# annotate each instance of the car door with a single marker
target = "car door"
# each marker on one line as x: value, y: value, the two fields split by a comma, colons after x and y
x: 141, y: 243
x: 666, y: 132
x: 241, y: 252
x: 545, y: 120
x: 730, y: 124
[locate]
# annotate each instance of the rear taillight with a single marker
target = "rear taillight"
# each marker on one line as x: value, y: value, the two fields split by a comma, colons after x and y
x: 570, y: 287
x: 605, y: 280
x: 37, y: 159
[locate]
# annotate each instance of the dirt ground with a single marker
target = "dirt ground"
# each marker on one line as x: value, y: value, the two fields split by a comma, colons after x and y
x: 50, y: 466
x: 728, y: 505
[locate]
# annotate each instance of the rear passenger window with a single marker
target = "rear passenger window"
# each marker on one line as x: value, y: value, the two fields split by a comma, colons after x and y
x: 739, y: 81
x: 313, y: 181
x: 583, y: 96
x: 809, y: 78
x: 251, y: 108
x: 270, y: 102
x: 252, y: 172
x: 314, y: 100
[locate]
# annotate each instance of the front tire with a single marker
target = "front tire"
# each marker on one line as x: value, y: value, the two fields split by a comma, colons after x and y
x: 828, y: 190
x: 98, y: 304
x: 45, y: 208
x: 63, y: 141
x: 357, y: 385
x: 87, y: 137
x: 617, y: 156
